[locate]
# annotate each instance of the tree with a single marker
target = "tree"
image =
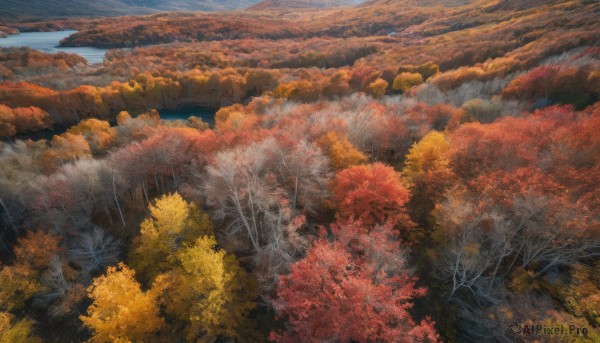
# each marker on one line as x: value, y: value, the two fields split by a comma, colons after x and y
x: 23, y: 120
x: 378, y: 87
x: 36, y: 249
x: 491, y: 232
x: 483, y: 111
x: 61, y: 293
x: 173, y: 222
x: 73, y: 195
x: 340, y: 151
x: 428, y: 69
x: 260, y: 192
x: 373, y: 194
x: 93, y: 251
x: 65, y: 147
x: 20, y: 281
x: 120, y: 309
x: 405, y: 81
x: 98, y: 133
x: 19, y: 332
x: 330, y: 296
x: 428, y: 174
x: 209, y: 291
x: 18, y: 284
x: 427, y: 155
x: 7, y: 118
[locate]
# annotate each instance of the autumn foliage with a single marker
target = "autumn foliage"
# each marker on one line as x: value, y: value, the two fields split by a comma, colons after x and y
x: 398, y: 171
x: 373, y: 194
x: 121, y: 310
x: 332, y: 295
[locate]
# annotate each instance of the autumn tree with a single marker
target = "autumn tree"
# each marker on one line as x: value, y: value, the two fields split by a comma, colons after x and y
x: 7, y: 118
x: 427, y: 69
x: 98, y: 133
x: 36, y: 249
x: 121, y: 311
x: 208, y: 291
x: 18, y: 284
x: 427, y: 172
x: 13, y: 331
x: 521, y: 225
x: 373, y: 194
x: 405, y: 81
x: 20, y: 281
x: 338, y: 293
x: 483, y: 111
x: 173, y: 222
x: 378, y: 87
x: 64, y: 148
x: 341, y: 152
x: 23, y: 120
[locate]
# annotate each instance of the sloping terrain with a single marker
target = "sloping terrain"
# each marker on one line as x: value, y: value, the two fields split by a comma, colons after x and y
x: 283, y: 4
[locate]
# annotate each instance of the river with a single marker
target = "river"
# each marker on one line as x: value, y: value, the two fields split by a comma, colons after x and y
x: 48, y: 42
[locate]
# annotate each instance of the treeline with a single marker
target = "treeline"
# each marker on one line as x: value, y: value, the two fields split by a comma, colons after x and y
x: 567, y: 79
x: 23, y: 62
x: 181, y: 27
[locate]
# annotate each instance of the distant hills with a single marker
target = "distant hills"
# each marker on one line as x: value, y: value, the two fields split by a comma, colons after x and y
x: 15, y: 9
x: 279, y: 4
x: 74, y: 8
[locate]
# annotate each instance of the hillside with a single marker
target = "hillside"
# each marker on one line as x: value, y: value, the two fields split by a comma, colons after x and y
x: 283, y: 4
x: 74, y: 8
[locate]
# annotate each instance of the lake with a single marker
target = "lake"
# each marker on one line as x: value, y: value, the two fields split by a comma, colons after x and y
x: 48, y: 42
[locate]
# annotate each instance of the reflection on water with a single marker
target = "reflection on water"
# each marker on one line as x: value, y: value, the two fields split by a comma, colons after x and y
x: 48, y: 42
x: 206, y: 114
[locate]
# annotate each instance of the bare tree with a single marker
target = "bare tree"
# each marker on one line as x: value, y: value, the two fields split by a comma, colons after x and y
x: 259, y: 193
x: 485, y: 242
x: 93, y: 251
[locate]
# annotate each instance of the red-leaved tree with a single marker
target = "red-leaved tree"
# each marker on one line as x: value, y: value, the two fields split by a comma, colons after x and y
x: 373, y: 194
x: 353, y: 289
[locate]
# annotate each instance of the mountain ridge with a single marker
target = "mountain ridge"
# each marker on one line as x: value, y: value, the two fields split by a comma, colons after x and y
x: 292, y: 4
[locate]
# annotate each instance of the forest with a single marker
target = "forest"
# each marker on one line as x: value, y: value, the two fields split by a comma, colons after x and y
x: 390, y: 171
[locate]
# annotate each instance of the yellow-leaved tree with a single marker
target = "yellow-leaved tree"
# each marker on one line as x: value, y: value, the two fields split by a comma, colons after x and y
x: 210, y: 292
x: 173, y: 222
x: 427, y: 155
x: 121, y: 311
x: 378, y: 87
x: 19, y: 332
x: 405, y: 81
x: 428, y: 173
x: 340, y: 151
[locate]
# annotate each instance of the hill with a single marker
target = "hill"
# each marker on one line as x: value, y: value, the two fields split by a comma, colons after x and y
x: 283, y: 4
x: 75, y: 8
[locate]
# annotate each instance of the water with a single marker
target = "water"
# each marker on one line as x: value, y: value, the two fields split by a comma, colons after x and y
x: 206, y: 114
x: 48, y: 42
